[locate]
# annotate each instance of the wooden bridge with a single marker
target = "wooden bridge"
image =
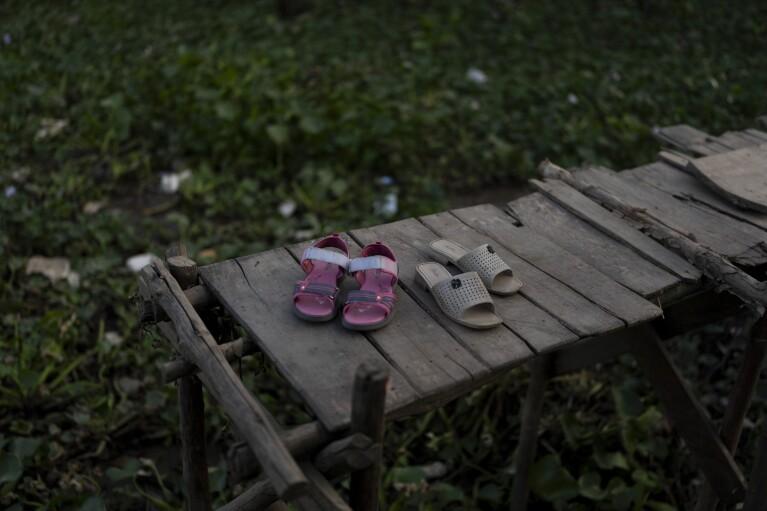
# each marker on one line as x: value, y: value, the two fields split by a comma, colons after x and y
x: 612, y: 262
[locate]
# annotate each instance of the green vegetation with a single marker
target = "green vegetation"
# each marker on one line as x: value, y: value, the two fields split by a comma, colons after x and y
x: 98, y: 98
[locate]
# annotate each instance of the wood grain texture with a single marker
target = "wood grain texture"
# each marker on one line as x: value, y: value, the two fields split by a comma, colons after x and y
x: 739, y: 176
x: 322, y: 496
x: 684, y: 186
x: 759, y: 135
x: 524, y: 456
x: 301, y: 441
x: 368, y: 419
x: 733, y: 140
x: 497, y: 348
x: 712, y: 264
x: 426, y: 353
x: 239, y: 348
x: 739, y: 241
x: 576, y: 312
x: 614, y: 259
x: 257, y: 290
x: 680, y: 135
x: 540, y: 329
x: 249, y: 417
x: 560, y: 264
x: 613, y: 225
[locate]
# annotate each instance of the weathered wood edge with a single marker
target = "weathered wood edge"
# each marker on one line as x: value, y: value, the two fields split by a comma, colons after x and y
x: 716, y: 267
x: 197, y: 345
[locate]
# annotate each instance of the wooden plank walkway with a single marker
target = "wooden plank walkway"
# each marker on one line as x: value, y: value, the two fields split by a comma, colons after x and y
x: 587, y: 272
x: 592, y: 278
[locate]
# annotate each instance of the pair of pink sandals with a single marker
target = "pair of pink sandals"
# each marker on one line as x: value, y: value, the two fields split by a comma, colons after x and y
x: 326, y: 263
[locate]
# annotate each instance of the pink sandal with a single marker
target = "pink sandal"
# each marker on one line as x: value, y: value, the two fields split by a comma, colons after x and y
x: 314, y: 297
x: 372, y: 306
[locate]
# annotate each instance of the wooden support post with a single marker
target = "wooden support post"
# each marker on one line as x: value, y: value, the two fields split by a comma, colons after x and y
x: 191, y: 412
x: 540, y: 370
x: 301, y: 441
x: 338, y: 458
x: 687, y: 415
x: 196, y: 344
x: 238, y: 348
x: 756, y: 500
x: 368, y: 416
x: 739, y: 402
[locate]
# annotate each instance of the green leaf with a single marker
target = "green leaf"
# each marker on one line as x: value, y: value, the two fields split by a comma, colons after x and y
x: 127, y: 471
x: 659, y: 506
x: 590, y: 487
x: 552, y: 482
x: 226, y: 110
x: 278, y: 133
x: 408, y: 475
x: 93, y: 503
x: 447, y: 492
x: 311, y: 125
x: 610, y: 460
x: 24, y: 447
x: 10, y: 468
x: 627, y: 402
x: 490, y: 492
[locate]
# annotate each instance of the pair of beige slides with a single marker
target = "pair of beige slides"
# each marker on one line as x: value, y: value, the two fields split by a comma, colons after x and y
x: 465, y: 298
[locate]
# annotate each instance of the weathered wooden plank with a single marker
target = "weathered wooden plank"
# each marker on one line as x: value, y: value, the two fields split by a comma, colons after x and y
x: 539, y: 328
x: 248, y: 415
x: 759, y: 135
x: 739, y: 176
x: 756, y: 137
x: 684, y: 186
x: 739, y: 241
x: 560, y: 264
x: 611, y: 224
x: 680, y: 135
x: 707, y: 148
x: 611, y: 257
x: 714, y: 265
x: 424, y: 352
x: 576, y: 312
x: 498, y: 347
x: 319, y: 360
x: 732, y: 140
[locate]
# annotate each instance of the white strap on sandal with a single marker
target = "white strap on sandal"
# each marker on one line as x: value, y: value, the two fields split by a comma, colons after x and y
x: 377, y: 262
x: 326, y: 255
x: 463, y: 298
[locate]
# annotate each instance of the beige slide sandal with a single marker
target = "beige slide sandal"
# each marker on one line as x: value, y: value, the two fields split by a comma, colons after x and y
x: 463, y: 298
x: 494, y: 272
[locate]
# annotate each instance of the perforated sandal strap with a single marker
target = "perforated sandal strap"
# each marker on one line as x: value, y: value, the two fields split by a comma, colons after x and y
x: 485, y: 262
x: 328, y: 256
x: 377, y: 262
x: 460, y: 293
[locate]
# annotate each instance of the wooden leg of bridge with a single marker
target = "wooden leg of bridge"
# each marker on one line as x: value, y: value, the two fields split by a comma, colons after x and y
x: 192, y: 426
x: 687, y: 416
x: 368, y: 408
x: 738, y: 404
x: 756, y: 500
x: 528, y: 437
x: 191, y: 410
